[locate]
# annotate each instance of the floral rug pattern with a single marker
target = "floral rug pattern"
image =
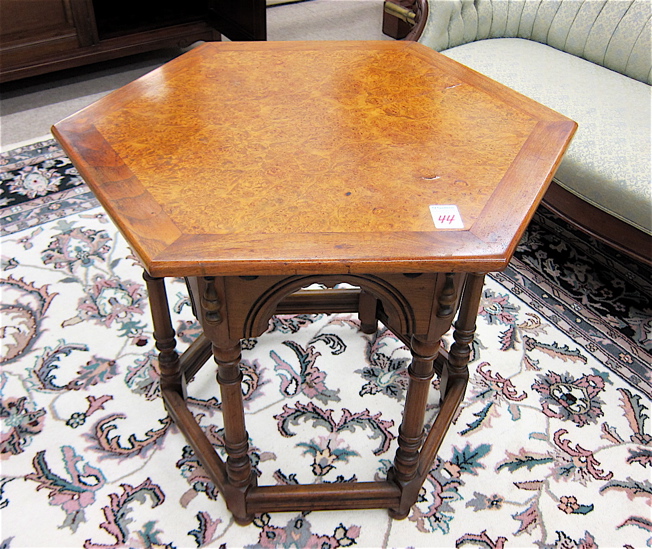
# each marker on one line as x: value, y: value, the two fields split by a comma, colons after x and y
x: 552, y: 447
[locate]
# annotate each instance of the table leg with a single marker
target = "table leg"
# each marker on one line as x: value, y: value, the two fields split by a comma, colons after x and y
x: 236, y: 440
x: 165, y: 336
x: 463, y: 334
x: 411, y: 432
x: 413, y: 461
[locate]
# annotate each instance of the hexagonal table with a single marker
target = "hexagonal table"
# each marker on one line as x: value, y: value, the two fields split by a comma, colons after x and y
x: 255, y: 170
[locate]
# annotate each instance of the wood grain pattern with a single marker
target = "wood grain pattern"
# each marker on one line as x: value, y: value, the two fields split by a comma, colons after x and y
x: 287, y: 155
x: 256, y: 170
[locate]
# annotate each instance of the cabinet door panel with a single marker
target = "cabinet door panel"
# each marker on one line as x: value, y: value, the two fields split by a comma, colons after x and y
x: 35, y: 20
x: 35, y: 31
x: 239, y: 19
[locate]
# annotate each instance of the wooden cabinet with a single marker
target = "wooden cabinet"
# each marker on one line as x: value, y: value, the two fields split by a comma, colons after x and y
x: 40, y: 36
x: 240, y: 19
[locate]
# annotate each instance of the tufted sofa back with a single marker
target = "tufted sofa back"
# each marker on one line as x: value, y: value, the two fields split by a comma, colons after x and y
x: 613, y: 33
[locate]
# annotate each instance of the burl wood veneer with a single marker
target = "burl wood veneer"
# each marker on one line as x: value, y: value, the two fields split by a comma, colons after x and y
x: 257, y: 169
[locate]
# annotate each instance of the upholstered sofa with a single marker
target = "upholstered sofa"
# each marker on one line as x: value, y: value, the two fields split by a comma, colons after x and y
x: 589, y: 60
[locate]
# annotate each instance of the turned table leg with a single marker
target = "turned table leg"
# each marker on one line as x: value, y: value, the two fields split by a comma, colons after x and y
x: 165, y: 336
x: 463, y: 334
x: 411, y: 431
x: 414, y: 459
x: 212, y: 307
x: 236, y: 440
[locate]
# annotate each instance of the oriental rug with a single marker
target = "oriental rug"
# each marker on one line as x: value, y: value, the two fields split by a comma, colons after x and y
x: 552, y: 447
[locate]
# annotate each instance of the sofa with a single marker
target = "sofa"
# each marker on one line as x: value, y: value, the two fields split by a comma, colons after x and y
x: 589, y: 60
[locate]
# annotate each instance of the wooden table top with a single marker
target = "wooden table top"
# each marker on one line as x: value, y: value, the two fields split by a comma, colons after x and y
x: 317, y: 157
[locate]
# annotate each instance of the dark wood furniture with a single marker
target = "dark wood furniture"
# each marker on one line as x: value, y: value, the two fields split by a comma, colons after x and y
x: 404, y: 19
x: 257, y: 169
x: 41, y: 36
x: 599, y: 224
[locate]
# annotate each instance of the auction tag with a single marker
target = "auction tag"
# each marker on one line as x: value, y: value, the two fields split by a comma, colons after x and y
x: 446, y: 217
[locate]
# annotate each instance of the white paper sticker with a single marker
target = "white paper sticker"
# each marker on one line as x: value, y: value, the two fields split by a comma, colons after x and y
x: 446, y: 216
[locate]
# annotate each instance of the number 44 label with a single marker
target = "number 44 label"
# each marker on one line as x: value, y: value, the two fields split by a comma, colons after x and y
x: 446, y: 217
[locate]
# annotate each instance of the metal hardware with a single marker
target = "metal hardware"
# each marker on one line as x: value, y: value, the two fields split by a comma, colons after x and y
x: 401, y: 13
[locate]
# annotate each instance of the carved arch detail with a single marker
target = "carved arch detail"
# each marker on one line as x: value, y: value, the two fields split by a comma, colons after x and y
x: 395, y: 305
